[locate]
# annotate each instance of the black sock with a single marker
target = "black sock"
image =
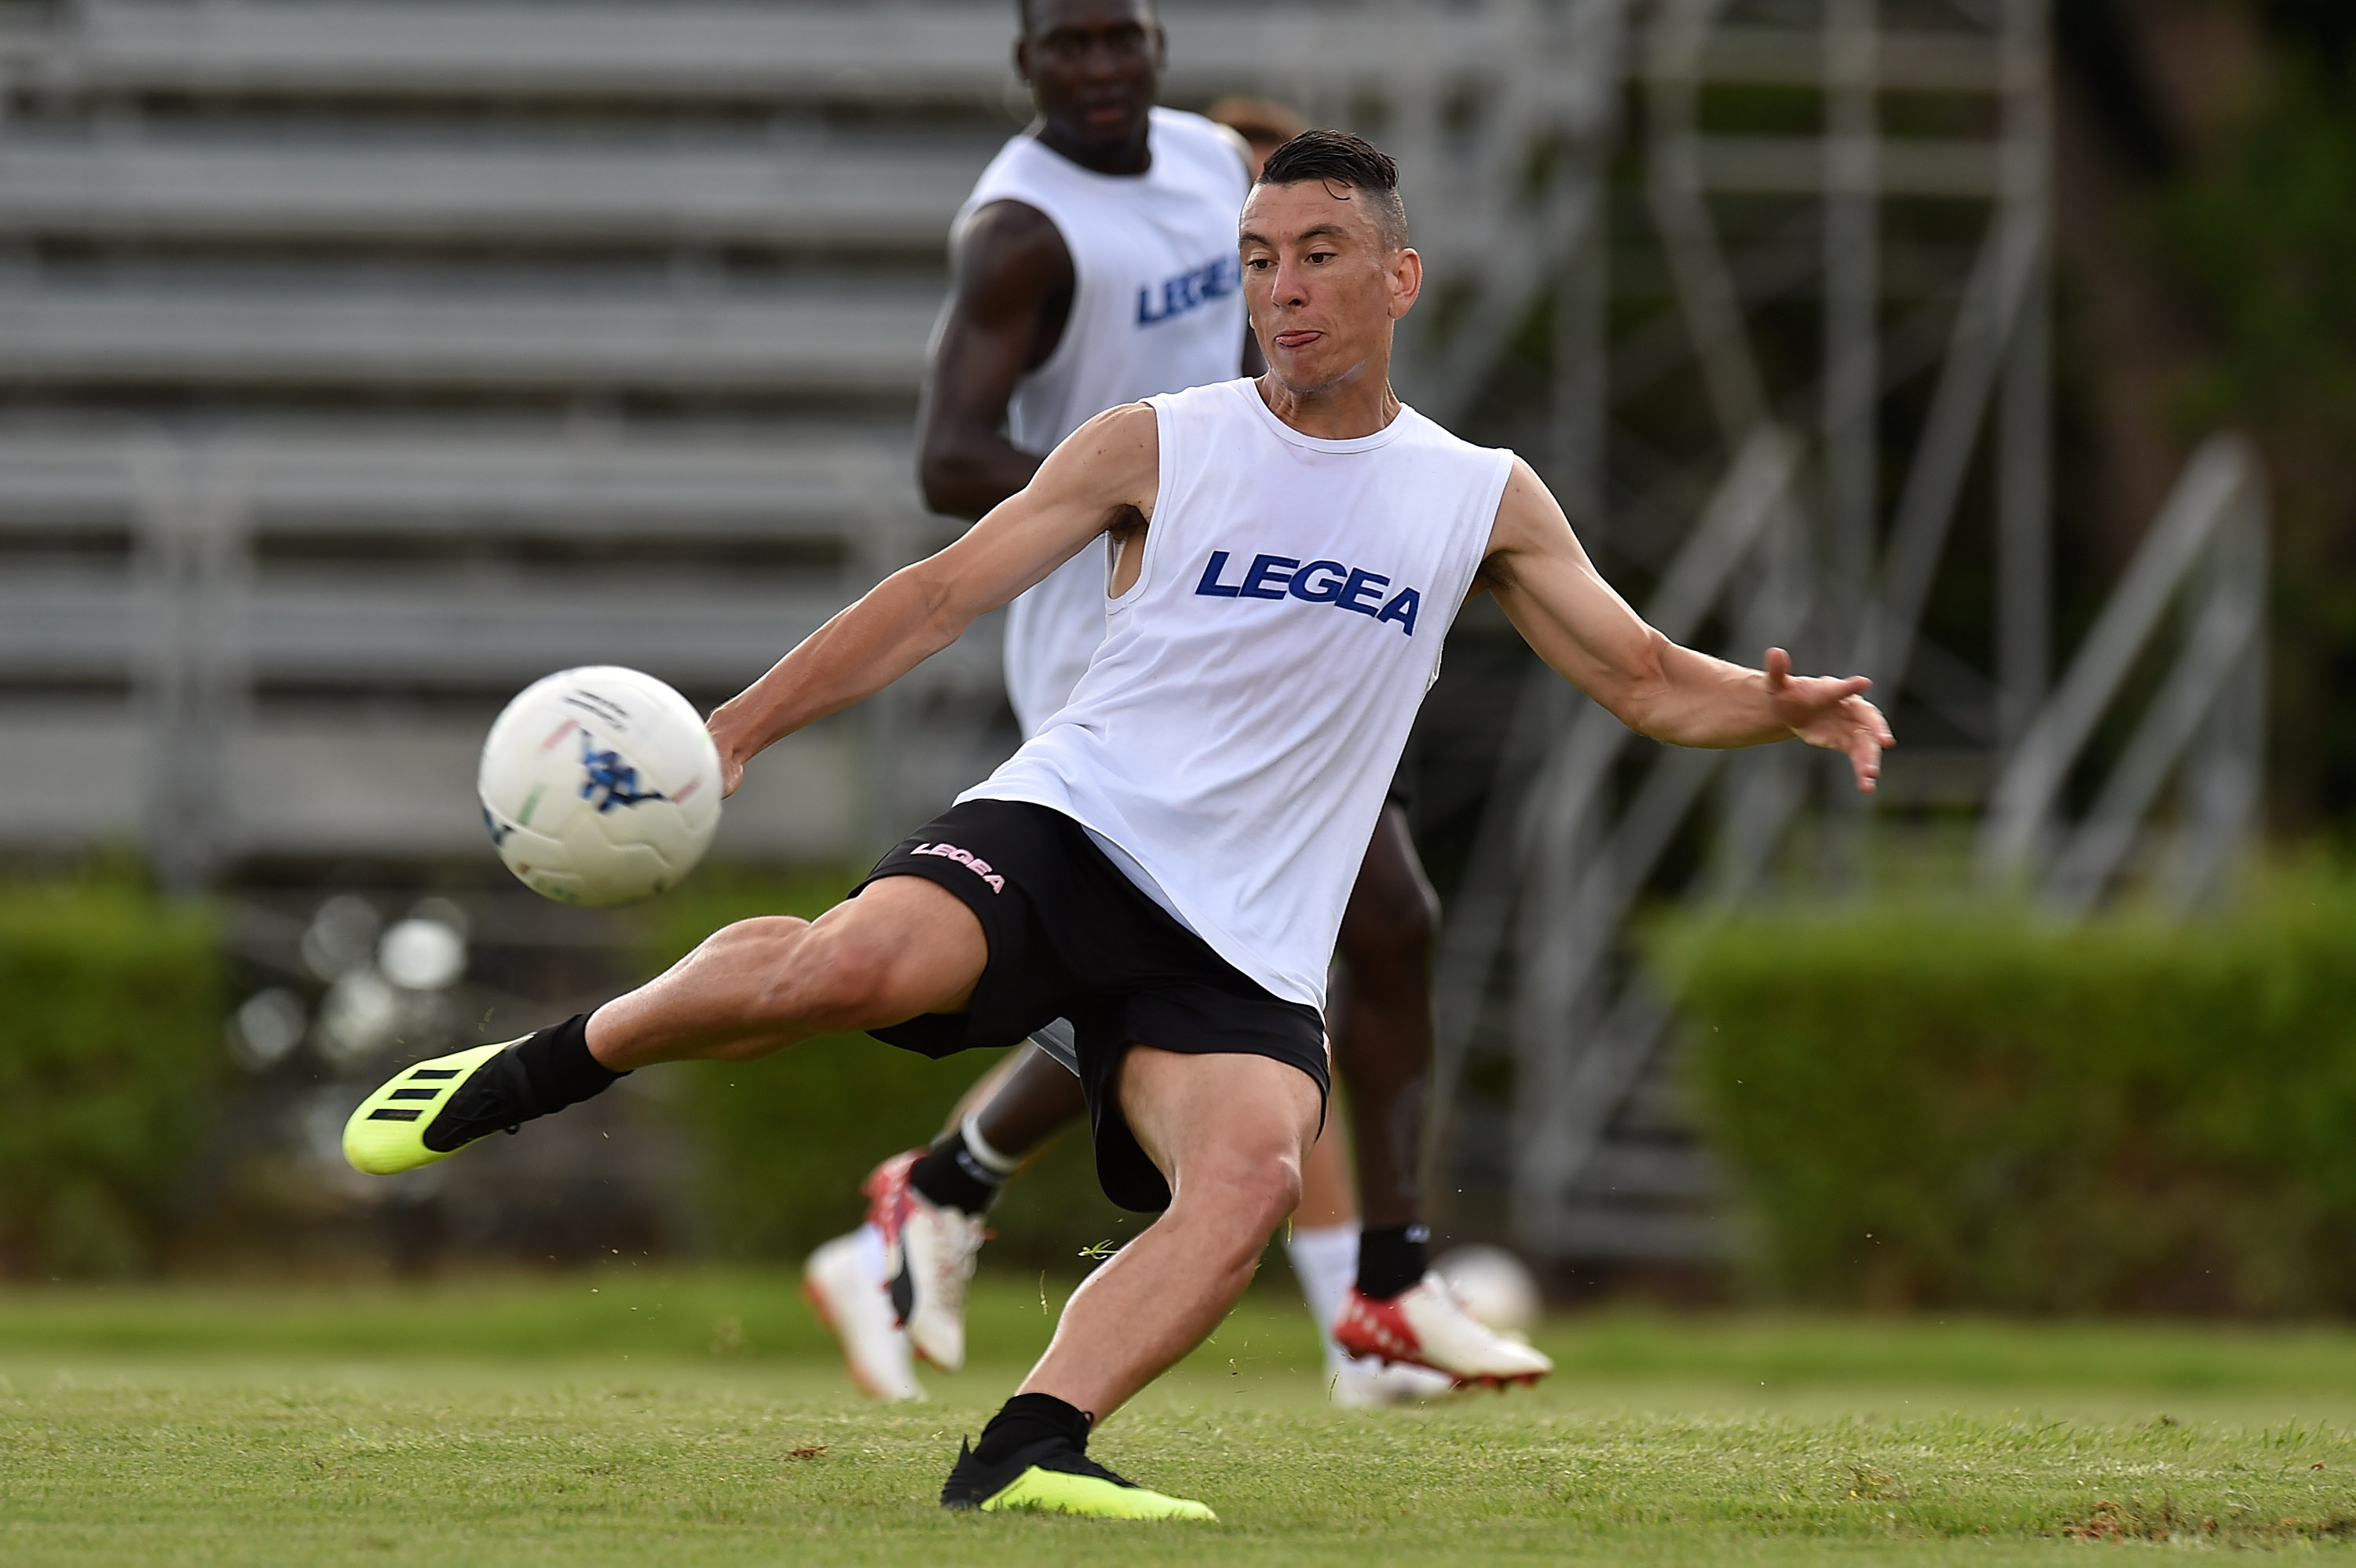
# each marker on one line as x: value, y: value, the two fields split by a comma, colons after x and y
x: 558, y: 1069
x: 1028, y: 1418
x: 1390, y: 1259
x: 950, y: 1176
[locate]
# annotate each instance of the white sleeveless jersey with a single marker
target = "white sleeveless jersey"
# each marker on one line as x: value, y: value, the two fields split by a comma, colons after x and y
x: 1157, y: 306
x: 1238, y: 727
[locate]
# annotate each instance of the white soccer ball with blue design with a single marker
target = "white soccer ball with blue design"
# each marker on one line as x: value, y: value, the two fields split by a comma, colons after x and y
x: 600, y: 786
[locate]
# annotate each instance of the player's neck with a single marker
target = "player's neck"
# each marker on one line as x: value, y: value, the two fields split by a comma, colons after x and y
x: 1361, y: 405
x: 1132, y: 156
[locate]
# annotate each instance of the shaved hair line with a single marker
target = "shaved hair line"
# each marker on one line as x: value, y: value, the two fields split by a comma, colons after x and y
x: 1340, y: 161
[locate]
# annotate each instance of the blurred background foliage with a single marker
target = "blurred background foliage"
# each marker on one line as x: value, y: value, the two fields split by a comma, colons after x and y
x: 2264, y: 233
x: 1948, y: 1105
x: 2208, y: 220
x: 781, y: 1144
x: 111, y: 1002
x: 1920, y: 1103
x: 123, y: 1103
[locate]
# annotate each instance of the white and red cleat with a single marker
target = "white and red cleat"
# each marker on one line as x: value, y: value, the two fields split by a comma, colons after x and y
x: 929, y: 1257
x: 846, y: 1287
x: 1372, y: 1384
x: 1426, y: 1326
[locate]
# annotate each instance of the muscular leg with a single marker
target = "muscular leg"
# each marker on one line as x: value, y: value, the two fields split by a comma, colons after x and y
x: 1381, y: 1019
x: 884, y: 1301
x: 1229, y: 1133
x: 903, y: 947
x: 894, y: 1287
x: 1026, y: 1101
x: 1323, y: 1240
x: 1012, y: 1113
x: 978, y: 1093
x: 1327, y: 1197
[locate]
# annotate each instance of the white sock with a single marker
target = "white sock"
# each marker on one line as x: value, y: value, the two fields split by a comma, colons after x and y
x: 1325, y: 1257
x: 871, y: 1250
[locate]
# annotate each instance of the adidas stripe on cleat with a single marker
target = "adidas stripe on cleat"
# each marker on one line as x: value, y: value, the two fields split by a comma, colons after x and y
x: 432, y: 1110
x: 1053, y: 1477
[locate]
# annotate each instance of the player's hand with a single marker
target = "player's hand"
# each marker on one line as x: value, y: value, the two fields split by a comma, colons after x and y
x: 732, y: 760
x: 1830, y: 713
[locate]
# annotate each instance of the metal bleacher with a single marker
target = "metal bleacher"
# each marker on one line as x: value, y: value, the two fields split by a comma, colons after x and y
x: 361, y: 361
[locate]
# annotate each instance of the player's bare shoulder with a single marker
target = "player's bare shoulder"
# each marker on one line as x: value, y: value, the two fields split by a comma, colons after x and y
x: 1530, y: 522
x: 1009, y: 242
x: 1113, y: 460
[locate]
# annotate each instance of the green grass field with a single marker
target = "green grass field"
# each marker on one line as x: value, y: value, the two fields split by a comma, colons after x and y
x: 634, y: 1416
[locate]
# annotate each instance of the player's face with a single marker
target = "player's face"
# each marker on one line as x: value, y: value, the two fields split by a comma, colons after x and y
x: 1321, y: 283
x: 1095, y: 67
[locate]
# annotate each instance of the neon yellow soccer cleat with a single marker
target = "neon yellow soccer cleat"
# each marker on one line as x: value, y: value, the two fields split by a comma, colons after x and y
x: 432, y: 1110
x: 1054, y: 1476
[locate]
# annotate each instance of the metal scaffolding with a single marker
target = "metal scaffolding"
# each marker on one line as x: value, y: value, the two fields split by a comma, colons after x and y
x: 1849, y: 204
x: 361, y: 361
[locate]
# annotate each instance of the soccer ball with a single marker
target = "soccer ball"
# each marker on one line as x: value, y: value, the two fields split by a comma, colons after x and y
x: 599, y: 786
x: 1494, y: 1285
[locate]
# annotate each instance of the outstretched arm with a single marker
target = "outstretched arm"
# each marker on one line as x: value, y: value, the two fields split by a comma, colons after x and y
x: 1104, y: 474
x: 1565, y: 610
x: 1009, y: 292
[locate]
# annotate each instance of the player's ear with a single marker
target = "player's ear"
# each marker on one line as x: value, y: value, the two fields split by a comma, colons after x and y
x: 1023, y: 56
x: 1407, y: 281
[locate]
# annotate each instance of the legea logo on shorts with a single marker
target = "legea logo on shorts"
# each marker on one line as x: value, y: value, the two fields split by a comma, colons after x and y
x: 967, y: 858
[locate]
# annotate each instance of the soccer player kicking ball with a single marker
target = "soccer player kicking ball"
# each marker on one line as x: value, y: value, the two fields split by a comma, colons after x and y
x: 1093, y: 265
x: 1166, y: 863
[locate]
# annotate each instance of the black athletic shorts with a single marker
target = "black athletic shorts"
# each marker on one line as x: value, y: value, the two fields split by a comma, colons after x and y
x: 1071, y: 936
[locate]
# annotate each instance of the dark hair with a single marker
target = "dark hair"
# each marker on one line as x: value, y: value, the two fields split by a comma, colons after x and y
x: 1337, y: 157
x: 1023, y: 15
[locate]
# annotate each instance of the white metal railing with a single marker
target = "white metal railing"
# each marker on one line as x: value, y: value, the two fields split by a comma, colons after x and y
x: 1583, y: 1026
x: 191, y: 573
x: 1743, y: 219
x: 2205, y: 723
x: 836, y: 338
x: 781, y: 189
x: 531, y: 321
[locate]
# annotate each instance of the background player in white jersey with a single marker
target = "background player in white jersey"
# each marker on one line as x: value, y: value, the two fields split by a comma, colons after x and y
x: 1166, y: 863
x: 1094, y: 265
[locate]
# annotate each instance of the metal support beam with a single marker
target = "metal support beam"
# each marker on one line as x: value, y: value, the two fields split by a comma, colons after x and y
x: 2024, y: 606
x: 2208, y: 541
x: 1852, y: 297
x: 190, y: 566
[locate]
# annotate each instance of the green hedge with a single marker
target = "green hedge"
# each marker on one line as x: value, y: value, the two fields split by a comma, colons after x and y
x: 110, y: 1005
x: 783, y: 1142
x: 1969, y: 1106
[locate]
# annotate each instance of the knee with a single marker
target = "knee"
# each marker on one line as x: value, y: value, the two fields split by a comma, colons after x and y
x: 1246, y: 1193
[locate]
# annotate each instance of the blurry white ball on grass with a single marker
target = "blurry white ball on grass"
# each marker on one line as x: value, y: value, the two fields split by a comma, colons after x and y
x: 1494, y: 1285
x: 600, y: 786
